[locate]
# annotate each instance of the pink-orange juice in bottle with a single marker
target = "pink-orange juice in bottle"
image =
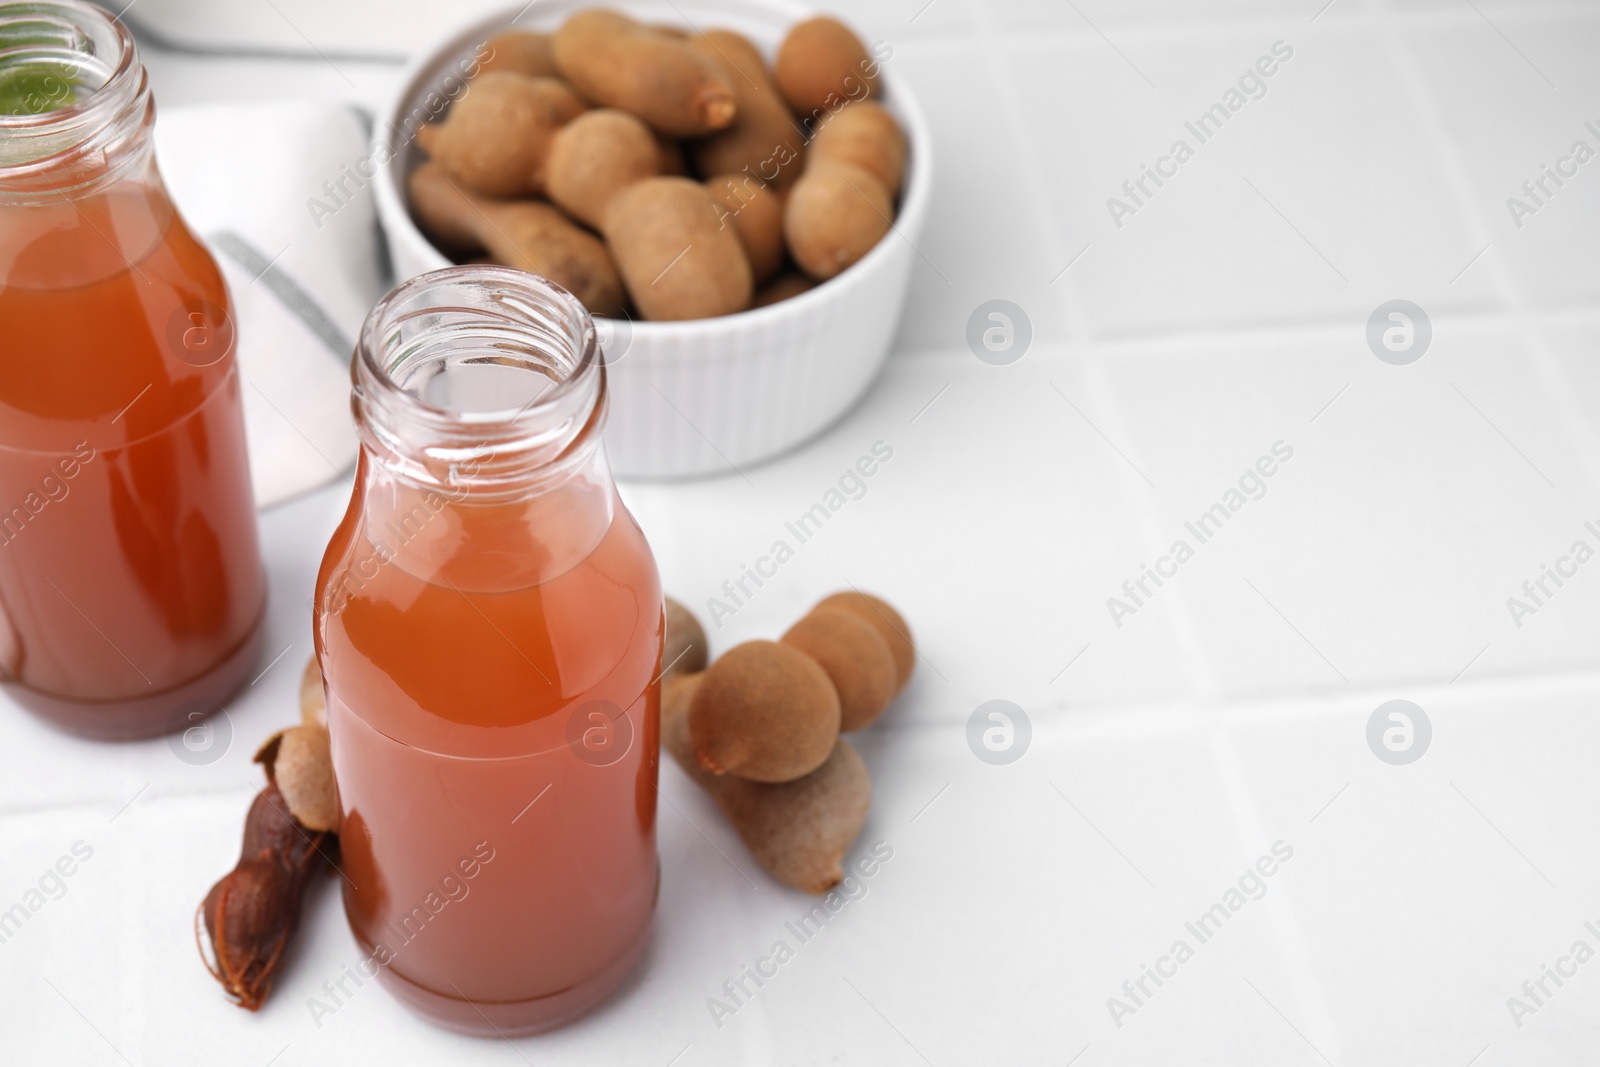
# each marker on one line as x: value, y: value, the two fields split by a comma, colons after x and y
x: 131, y: 584
x: 489, y: 625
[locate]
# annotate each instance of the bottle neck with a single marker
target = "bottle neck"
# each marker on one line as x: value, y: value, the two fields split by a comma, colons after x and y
x: 75, y: 104
x: 479, y: 397
x: 80, y: 196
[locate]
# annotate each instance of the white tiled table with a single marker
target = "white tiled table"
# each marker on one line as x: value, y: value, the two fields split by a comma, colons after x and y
x: 1168, y: 754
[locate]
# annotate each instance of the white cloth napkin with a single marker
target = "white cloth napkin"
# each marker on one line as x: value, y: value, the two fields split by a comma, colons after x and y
x: 303, y: 263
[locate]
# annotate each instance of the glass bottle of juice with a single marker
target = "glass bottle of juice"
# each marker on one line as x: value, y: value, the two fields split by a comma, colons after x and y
x: 131, y: 584
x: 489, y: 625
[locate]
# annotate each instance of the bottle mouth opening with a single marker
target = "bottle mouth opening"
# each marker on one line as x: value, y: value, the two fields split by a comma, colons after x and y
x: 69, y: 73
x: 477, y: 373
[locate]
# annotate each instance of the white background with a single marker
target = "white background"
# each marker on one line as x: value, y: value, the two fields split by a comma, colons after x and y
x: 1167, y: 754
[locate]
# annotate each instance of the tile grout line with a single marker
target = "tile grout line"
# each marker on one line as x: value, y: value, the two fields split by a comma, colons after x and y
x: 1552, y: 379
x: 1289, y: 938
x: 1078, y: 327
x: 1289, y: 935
x: 1080, y: 334
x: 1159, y: 716
x: 1231, y: 337
x: 1224, y: 333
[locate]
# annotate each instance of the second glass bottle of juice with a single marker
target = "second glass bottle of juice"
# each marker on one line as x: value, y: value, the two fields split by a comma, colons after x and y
x: 131, y: 587
x: 489, y: 626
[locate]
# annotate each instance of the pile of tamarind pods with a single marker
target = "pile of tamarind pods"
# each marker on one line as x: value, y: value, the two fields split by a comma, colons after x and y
x: 672, y: 173
x: 759, y: 729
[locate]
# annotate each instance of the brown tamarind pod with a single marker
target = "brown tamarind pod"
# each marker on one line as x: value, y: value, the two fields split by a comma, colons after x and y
x: 836, y: 213
x: 756, y: 213
x: 765, y: 142
x: 493, y: 140
x: 620, y: 63
x: 526, y: 234
x: 764, y: 711
x: 594, y: 157
x: 799, y: 831
x: 520, y: 52
x: 889, y: 624
x: 538, y: 238
x: 685, y: 650
x: 677, y: 692
x: 677, y: 258
x: 444, y: 211
x: 251, y: 914
x: 868, y: 136
x: 822, y: 65
x: 857, y: 659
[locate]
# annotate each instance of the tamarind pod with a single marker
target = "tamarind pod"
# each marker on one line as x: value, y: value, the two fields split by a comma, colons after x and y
x: 868, y: 136
x: 520, y: 52
x: 594, y: 157
x: 756, y: 214
x: 822, y: 65
x: 525, y: 234
x: 836, y: 213
x: 493, y: 140
x: 765, y: 142
x: 679, y: 261
x: 800, y: 831
x: 251, y: 914
x: 764, y: 711
x: 620, y: 63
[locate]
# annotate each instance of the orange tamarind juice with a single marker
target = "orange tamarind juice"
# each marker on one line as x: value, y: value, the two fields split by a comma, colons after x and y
x: 131, y: 584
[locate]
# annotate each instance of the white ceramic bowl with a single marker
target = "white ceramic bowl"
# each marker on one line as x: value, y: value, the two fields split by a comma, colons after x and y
x: 710, y: 395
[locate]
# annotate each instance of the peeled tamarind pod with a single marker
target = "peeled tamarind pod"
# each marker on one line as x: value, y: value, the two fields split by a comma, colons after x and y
x: 766, y: 141
x: 855, y: 656
x: 782, y: 288
x: 888, y: 623
x: 764, y: 711
x: 313, y: 701
x: 620, y: 63
x: 299, y: 763
x: 525, y: 234
x: 821, y: 65
x: 519, y: 52
x: 868, y: 136
x: 493, y: 140
x: 756, y: 213
x: 685, y: 646
x: 594, y: 157
x: 800, y: 831
x: 678, y: 260
x: 837, y: 212
x: 251, y: 913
